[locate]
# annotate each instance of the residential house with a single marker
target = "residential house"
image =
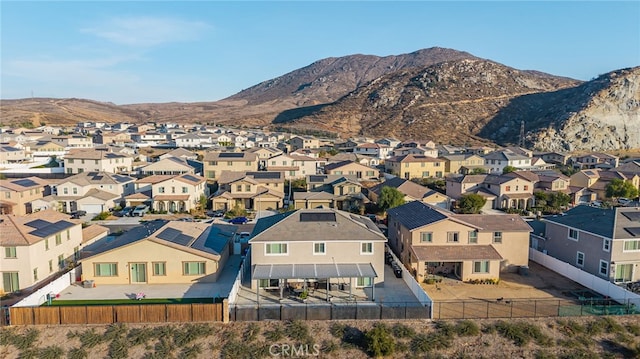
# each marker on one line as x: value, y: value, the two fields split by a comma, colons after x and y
x: 17, y: 194
x: 298, y: 142
x: 176, y: 252
x: 216, y: 162
x: 412, y: 192
x: 470, y: 246
x: 500, y: 191
x: 464, y: 163
x: 595, y: 160
x: 93, y: 192
x: 36, y: 246
x: 10, y: 154
x: 181, y: 193
x: 496, y: 161
x: 193, y: 140
x: 73, y: 141
x: 558, y: 158
x: 419, y: 150
x: 603, y: 242
x: 597, y: 180
x: 249, y: 190
x: 111, y: 137
x: 168, y: 166
x: 318, y: 247
x: 293, y: 166
x: 331, y: 191
x: 373, y: 149
x: 180, y: 153
x: 43, y: 149
x: 368, y: 161
x: 391, y: 142
x: 353, y: 169
x: 92, y: 160
x: 415, y: 166
x: 263, y: 154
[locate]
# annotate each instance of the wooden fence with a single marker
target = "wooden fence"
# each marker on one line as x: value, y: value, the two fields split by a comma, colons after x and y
x: 107, y: 314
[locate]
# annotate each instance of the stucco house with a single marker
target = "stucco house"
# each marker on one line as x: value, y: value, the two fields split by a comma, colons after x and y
x: 168, y: 166
x: 361, y: 172
x: 36, y: 246
x: 178, y: 193
x: 496, y: 161
x: 603, y: 242
x: 216, y: 162
x: 254, y: 190
x: 93, y: 192
x: 501, y: 191
x: 319, y: 247
x: 292, y: 166
x: 176, y: 252
x: 331, y: 191
x: 431, y: 241
x: 17, y: 194
x: 415, y: 166
x: 93, y: 160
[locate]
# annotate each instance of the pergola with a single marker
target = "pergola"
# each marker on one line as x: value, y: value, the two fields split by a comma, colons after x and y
x: 313, y: 271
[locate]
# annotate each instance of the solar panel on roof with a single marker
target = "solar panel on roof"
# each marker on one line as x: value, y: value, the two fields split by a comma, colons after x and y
x: 317, y: 178
x: 231, y: 155
x: 38, y: 223
x: 265, y: 175
x: 318, y: 217
x: 169, y: 234
x: 635, y: 231
x: 91, y: 174
x: 25, y: 182
x: 51, y: 229
x: 190, y: 178
x: 633, y: 216
x: 97, y: 178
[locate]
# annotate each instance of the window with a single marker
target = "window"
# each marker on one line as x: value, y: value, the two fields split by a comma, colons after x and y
x: 580, y: 259
x: 497, y: 237
x: 606, y: 245
x: 68, y: 235
x: 526, y: 188
x: 185, y: 190
x: 35, y: 274
x: 213, y: 163
x: 604, y: 268
x: 61, y: 261
x: 366, y: 248
x: 481, y: 267
x: 58, y: 239
x: 508, y: 188
x: 426, y: 237
x: 425, y: 173
x: 106, y: 269
x: 247, y: 188
x: 453, y: 237
x: 161, y: 189
x: 319, y: 248
x: 65, y: 190
x: 96, y: 162
x: 439, y: 174
x: 363, y: 282
x: 473, y: 237
x: 239, y: 188
x: 70, y: 160
x: 50, y: 265
x: 229, y: 163
x: 7, y: 194
x: 46, y: 244
x: 173, y: 189
x: 159, y: 268
x: 624, y: 273
x: 276, y: 248
x: 10, y: 252
x: 573, y: 234
x: 10, y: 281
x: 76, y: 253
x: 75, y: 190
x: 631, y: 245
x: 193, y: 268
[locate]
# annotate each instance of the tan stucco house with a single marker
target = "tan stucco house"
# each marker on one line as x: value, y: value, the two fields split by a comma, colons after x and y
x: 93, y: 160
x: 216, y: 162
x: 17, y: 194
x: 254, y: 190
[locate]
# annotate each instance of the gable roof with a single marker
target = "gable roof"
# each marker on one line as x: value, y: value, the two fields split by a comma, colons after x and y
x: 590, y: 219
x: 92, y: 178
x: 407, y: 187
x: 416, y: 214
x: 23, y: 184
x: 33, y: 228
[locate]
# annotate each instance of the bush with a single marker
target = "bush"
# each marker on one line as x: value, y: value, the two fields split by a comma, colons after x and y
x: 189, y: 333
x: 353, y: 337
x: 274, y: 334
x: 329, y: 346
x: 467, y: 328
x: 50, y: 352
x: 633, y: 329
x: 138, y: 336
x: 190, y: 352
x: 115, y: 331
x: 571, y: 327
x: 604, y: 324
x: 25, y: 341
x: 77, y: 353
x: 89, y: 338
x: 445, y: 328
x: 298, y: 330
x: 337, y: 330
x: 251, y: 332
x: 521, y: 333
x: 379, y: 341
x: 424, y: 343
x: 101, y: 216
x: 402, y: 331
x: 118, y: 349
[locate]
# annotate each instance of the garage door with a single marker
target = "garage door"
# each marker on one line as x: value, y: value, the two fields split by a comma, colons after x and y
x: 584, y: 199
x: 91, y: 208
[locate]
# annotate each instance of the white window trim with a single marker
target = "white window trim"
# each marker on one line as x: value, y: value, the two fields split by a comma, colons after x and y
x: 314, y: 249
x: 276, y: 254
x: 600, y: 268
x: 627, y: 250
x: 569, y: 234
x: 367, y: 253
x: 583, y: 259
x: 604, y: 247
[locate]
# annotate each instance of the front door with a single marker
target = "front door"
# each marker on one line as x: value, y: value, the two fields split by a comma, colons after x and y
x: 138, y: 272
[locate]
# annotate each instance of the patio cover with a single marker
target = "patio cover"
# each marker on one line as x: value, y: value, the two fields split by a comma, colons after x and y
x: 455, y: 253
x: 308, y: 271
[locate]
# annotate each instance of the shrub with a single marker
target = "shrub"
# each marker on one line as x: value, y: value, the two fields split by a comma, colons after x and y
x: 274, y: 334
x: 633, y: 329
x: 423, y: 343
x: 298, y: 330
x: 189, y: 333
x: 118, y: 348
x: 379, y: 341
x: 467, y: 328
x: 337, y: 330
x: 7, y: 336
x: 101, y: 216
x: 353, y: 337
x: 115, y: 331
x: 521, y: 333
x: 138, y: 336
x: 604, y: 324
x: 163, y: 348
x: 328, y: 346
x: 571, y: 327
x: 89, y: 338
x: 50, y: 352
x: 541, y: 354
x: 77, y: 353
x: 445, y: 328
x: 251, y: 332
x: 580, y: 354
x: 26, y: 341
x: 190, y: 352
x: 402, y: 331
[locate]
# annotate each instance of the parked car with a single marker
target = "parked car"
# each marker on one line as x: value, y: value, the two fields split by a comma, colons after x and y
x: 217, y: 213
x: 125, y: 212
x: 139, y: 211
x: 596, y: 204
x: 624, y: 201
x: 244, y: 236
x: 239, y: 220
x: 78, y: 214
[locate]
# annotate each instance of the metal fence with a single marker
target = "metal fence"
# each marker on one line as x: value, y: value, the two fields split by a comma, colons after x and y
x: 530, y: 308
x: 330, y: 311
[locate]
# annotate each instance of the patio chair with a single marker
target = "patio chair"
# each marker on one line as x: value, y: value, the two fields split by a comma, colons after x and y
x: 140, y: 296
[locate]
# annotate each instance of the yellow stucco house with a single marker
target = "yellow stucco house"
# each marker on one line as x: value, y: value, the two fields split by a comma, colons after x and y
x: 415, y: 166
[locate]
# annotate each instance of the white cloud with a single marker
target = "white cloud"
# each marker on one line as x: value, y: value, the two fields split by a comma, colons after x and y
x: 147, y: 31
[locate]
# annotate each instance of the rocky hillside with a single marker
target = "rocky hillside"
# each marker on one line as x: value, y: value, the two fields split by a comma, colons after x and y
x: 451, y: 102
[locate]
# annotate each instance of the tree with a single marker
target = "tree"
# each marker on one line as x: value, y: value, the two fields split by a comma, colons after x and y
x: 558, y: 200
x: 508, y: 169
x: 471, y: 203
x: 479, y: 171
x: 390, y: 198
x: 619, y: 188
x: 379, y: 341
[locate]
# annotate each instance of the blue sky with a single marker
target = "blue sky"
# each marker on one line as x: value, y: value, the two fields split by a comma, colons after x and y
x: 147, y: 51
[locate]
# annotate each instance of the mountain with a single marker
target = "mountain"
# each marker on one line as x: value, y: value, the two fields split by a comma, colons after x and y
x: 448, y: 102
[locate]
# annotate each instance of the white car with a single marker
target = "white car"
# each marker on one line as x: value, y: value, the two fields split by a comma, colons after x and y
x: 624, y: 201
x: 139, y: 211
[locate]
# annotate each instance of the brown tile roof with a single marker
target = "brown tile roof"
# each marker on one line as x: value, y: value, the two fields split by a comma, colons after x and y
x: 15, y: 232
x: 455, y: 253
x: 495, y: 222
x: 92, y: 232
x: 155, y: 179
x: 12, y: 184
x: 171, y: 197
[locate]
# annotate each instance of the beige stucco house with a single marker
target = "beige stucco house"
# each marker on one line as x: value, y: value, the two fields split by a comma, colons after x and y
x: 412, y: 192
x: 92, y: 160
x: 177, y: 252
x: 431, y: 241
x: 167, y: 166
x: 216, y: 162
x: 501, y: 191
x: 179, y: 193
x: 255, y: 190
x: 93, y: 192
x: 35, y: 246
x: 292, y: 166
x: 350, y: 168
x: 17, y: 194
x: 11, y: 154
x: 415, y: 166
x: 319, y: 246
x: 299, y: 142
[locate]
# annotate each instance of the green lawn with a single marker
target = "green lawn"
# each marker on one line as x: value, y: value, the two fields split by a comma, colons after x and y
x: 57, y: 302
